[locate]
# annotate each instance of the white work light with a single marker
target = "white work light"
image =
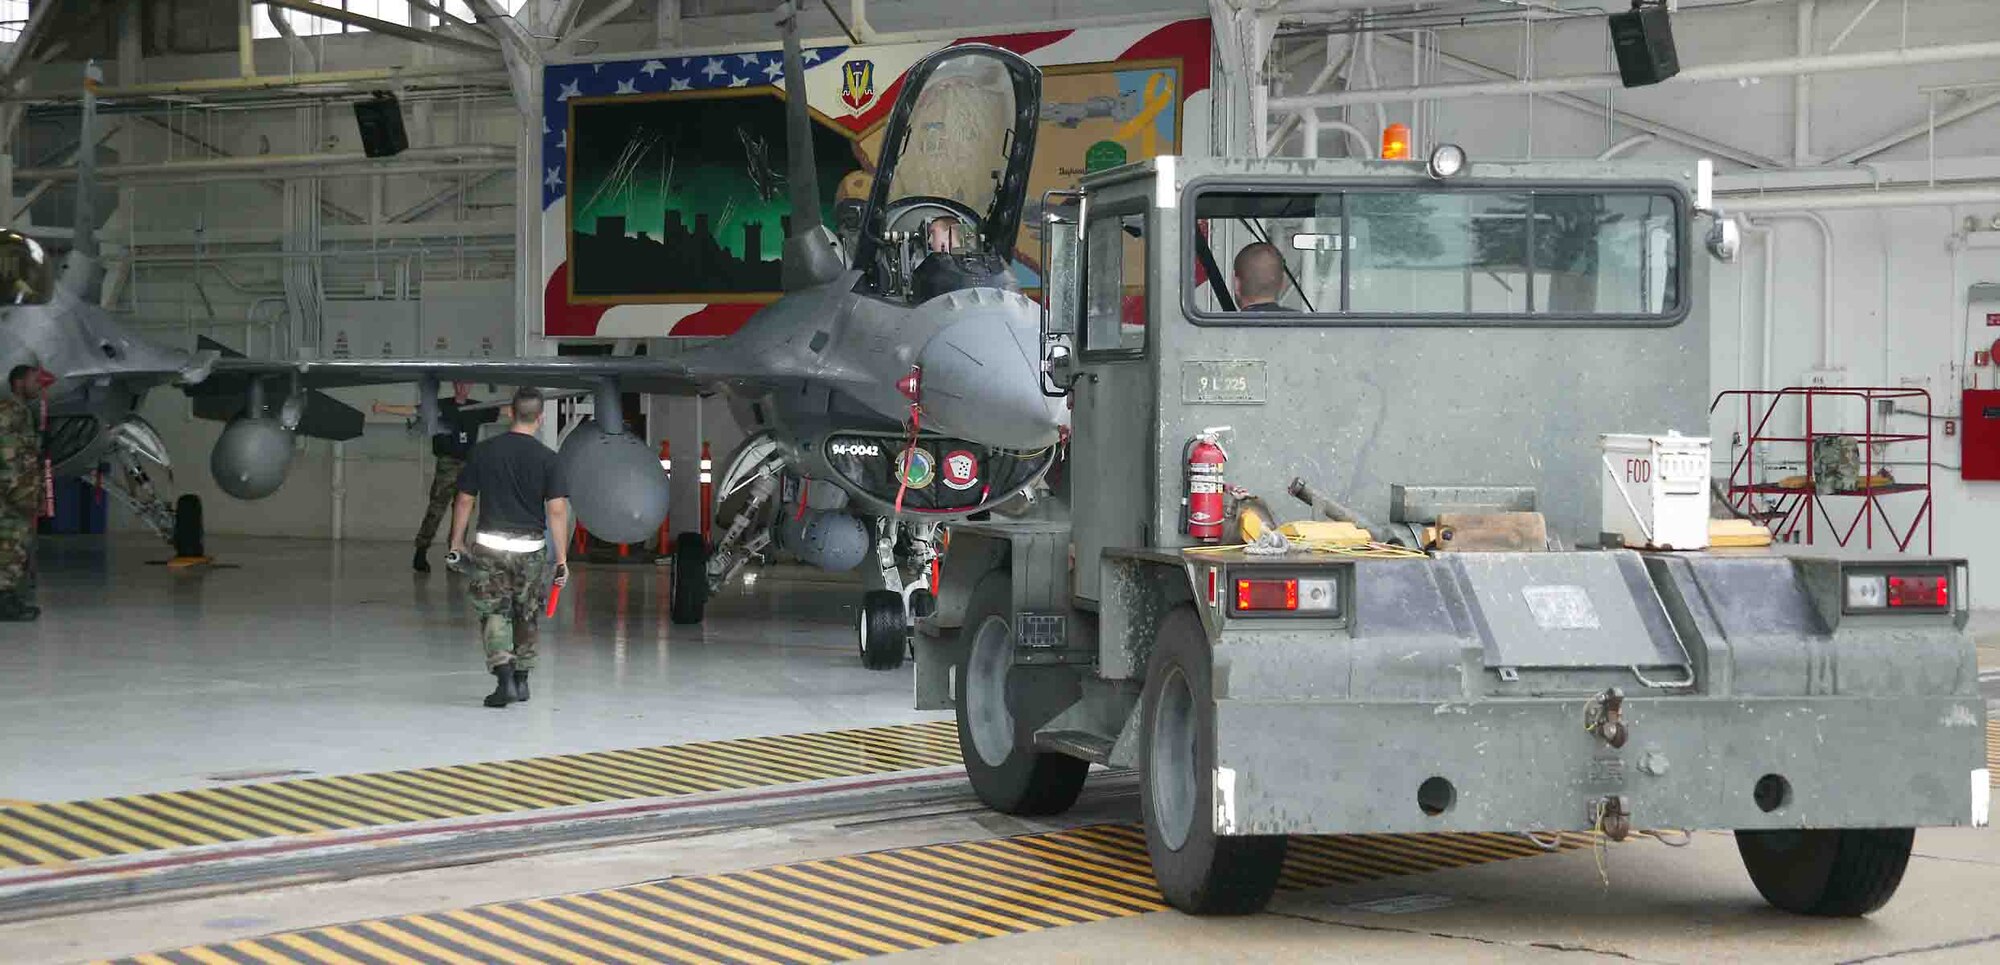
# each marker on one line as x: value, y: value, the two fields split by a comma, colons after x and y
x: 1869, y: 591
x: 1446, y: 161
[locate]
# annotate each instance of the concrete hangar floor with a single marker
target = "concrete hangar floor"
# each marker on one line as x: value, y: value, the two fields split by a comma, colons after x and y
x: 286, y: 761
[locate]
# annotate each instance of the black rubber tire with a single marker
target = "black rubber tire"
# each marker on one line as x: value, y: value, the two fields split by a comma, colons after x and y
x: 1208, y: 873
x: 1828, y: 873
x: 1025, y: 781
x: 881, y: 630
x: 189, y: 528
x: 687, y: 580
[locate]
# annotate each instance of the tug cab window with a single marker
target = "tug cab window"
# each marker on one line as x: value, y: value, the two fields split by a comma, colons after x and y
x: 26, y: 278
x: 1114, y: 284
x: 1476, y: 256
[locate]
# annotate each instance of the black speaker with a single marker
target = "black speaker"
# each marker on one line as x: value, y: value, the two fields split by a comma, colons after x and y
x: 1644, y: 40
x: 380, y: 119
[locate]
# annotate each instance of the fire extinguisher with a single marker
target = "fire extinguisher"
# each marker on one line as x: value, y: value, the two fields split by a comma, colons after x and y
x: 1203, y: 506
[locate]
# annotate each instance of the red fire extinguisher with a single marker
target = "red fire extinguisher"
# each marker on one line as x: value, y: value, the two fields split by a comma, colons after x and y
x: 1202, y: 518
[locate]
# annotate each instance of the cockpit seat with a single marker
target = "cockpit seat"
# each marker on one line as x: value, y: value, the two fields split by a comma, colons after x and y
x: 943, y: 272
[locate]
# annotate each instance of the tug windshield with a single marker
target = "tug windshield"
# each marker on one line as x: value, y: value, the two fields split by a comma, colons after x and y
x: 1514, y: 255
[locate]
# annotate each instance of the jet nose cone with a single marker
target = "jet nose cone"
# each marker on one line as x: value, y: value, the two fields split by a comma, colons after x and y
x: 982, y: 379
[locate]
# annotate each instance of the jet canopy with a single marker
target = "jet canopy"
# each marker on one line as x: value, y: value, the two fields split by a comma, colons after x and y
x: 26, y: 277
x: 958, y: 147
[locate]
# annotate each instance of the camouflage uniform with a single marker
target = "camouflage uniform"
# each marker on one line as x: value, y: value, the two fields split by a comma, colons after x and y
x: 20, y: 496
x: 444, y: 488
x: 508, y: 592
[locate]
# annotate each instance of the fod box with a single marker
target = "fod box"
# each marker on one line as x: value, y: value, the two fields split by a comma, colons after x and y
x: 1656, y: 490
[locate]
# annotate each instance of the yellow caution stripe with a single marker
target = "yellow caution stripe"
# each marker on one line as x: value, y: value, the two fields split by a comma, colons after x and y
x: 837, y: 909
x: 46, y: 834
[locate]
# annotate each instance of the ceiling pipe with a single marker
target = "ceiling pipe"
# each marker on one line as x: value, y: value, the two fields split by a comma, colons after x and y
x: 374, y: 76
x: 1786, y: 201
x: 265, y: 167
x: 1626, y: 145
x: 1808, y: 14
x: 1707, y: 73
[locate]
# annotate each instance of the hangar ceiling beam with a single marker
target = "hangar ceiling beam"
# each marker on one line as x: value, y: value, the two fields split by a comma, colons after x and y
x: 384, y: 27
x: 591, y: 26
x: 1778, y: 67
x: 1944, y: 119
x: 1678, y: 135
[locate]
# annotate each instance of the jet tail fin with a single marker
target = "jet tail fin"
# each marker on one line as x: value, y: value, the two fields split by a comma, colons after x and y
x: 812, y: 254
x: 804, y: 174
x: 82, y: 273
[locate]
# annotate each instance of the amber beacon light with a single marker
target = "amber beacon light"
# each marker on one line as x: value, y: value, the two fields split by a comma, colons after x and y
x: 1396, y: 142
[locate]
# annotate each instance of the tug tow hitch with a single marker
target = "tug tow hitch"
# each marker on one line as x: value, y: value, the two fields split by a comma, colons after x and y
x: 1604, y: 716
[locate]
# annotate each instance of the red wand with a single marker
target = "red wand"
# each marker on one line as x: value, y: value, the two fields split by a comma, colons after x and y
x: 555, y: 593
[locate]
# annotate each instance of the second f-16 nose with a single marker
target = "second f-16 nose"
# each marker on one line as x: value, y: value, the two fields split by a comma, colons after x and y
x: 982, y: 377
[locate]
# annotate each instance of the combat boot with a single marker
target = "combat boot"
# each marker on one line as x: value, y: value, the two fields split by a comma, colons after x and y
x: 421, y: 562
x: 15, y: 608
x: 521, y: 686
x: 503, y: 690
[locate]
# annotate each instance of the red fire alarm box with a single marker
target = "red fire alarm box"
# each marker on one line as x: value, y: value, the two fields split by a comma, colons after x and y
x: 1979, y: 446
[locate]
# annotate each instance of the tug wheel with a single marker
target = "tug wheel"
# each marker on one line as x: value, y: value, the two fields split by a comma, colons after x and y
x: 1829, y: 873
x: 1000, y: 705
x: 1200, y: 872
x: 882, y: 630
x: 687, y: 579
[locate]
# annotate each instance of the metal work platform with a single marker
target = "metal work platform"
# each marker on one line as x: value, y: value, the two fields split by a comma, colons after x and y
x: 835, y: 910
x: 41, y: 835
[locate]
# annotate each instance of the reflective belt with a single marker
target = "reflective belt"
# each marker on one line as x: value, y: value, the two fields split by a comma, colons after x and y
x: 509, y: 544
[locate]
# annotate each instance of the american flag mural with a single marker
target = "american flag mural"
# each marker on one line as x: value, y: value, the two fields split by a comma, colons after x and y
x: 1143, y: 87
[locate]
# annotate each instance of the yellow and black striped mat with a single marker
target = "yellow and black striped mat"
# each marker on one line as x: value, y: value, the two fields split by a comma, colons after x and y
x: 842, y: 908
x: 49, y: 834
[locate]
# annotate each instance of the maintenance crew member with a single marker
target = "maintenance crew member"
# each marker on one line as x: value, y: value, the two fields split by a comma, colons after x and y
x: 523, y: 509
x: 21, y: 490
x: 1260, y: 278
x: 457, y: 430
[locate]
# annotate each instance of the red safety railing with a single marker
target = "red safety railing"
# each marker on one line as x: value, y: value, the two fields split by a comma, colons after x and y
x: 1802, y: 511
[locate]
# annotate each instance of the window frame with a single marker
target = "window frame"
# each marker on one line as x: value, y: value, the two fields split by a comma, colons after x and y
x: 1684, y: 252
x: 1149, y: 224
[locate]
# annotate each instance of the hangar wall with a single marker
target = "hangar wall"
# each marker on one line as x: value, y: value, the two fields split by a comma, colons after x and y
x: 1899, y: 274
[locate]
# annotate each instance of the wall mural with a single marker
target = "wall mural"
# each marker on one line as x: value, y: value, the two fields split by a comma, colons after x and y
x: 665, y: 205
x: 682, y: 197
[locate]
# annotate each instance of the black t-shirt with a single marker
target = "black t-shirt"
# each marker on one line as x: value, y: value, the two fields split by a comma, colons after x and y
x: 513, y: 474
x: 457, y: 429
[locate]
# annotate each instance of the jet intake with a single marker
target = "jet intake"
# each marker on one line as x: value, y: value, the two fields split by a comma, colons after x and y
x: 251, y: 458
x: 615, y: 484
x: 836, y: 542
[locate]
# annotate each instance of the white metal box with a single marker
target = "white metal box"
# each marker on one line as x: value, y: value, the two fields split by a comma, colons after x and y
x: 1656, y: 490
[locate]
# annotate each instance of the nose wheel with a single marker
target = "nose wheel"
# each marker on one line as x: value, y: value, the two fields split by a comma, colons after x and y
x: 882, y: 629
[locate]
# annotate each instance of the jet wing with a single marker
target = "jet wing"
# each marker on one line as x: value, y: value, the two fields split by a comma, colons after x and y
x: 632, y: 374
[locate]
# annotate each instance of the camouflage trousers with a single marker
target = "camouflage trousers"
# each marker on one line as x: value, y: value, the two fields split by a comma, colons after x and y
x: 444, y: 489
x: 508, y: 592
x: 17, y: 552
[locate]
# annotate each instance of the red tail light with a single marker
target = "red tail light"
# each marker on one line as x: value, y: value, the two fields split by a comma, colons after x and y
x: 1267, y: 595
x: 1920, y: 591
